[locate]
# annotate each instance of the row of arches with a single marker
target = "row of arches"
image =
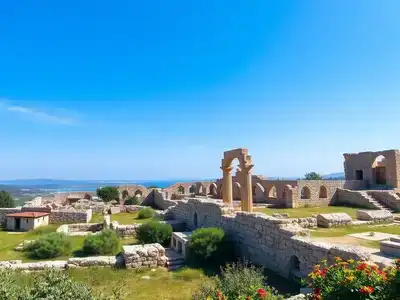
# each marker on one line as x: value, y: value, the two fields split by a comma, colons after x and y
x: 306, y: 192
x: 199, y: 189
x: 125, y: 194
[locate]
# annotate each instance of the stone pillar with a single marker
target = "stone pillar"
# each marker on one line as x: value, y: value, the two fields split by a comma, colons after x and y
x: 227, y: 185
x: 247, y: 191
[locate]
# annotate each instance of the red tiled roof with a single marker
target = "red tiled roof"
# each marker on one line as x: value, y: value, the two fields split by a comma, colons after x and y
x: 28, y: 214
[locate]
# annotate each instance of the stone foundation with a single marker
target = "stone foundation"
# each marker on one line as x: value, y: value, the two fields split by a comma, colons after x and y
x: 150, y: 255
x: 377, y: 216
x: 333, y: 220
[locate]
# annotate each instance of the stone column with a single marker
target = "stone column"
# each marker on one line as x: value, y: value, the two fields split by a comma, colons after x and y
x: 227, y: 185
x: 247, y: 191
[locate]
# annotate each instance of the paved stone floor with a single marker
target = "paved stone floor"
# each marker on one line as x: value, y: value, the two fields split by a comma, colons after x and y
x: 377, y: 236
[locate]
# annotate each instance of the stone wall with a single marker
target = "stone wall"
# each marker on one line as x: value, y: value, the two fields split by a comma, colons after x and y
x: 278, y: 244
x: 6, y: 211
x: 131, y: 208
x: 70, y: 216
x: 80, y: 227
x: 149, y: 255
x: 41, y: 208
x: 354, y: 198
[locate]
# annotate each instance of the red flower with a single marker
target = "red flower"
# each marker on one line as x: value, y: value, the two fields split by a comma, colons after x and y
x: 220, y: 296
x: 261, y: 293
x: 365, y: 290
x: 361, y: 266
x: 317, y: 291
x: 248, y: 298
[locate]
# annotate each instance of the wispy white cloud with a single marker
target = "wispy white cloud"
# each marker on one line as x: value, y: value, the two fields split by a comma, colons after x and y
x: 39, y: 115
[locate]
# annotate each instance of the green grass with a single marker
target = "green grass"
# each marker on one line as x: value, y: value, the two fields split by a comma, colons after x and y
x: 121, y: 218
x: 342, y: 231
x: 164, y: 285
x: 339, y: 234
x: 303, y: 212
x: 9, y: 241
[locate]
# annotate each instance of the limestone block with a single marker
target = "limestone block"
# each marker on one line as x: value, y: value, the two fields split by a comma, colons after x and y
x: 33, y: 266
x: 333, y: 220
x: 375, y: 215
x: 92, y: 261
x: 149, y: 255
x: 115, y: 210
x: 349, y: 252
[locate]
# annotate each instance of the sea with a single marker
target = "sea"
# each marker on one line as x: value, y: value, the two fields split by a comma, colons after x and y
x: 92, y: 187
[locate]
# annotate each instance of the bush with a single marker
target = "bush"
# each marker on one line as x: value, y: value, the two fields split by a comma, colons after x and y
x: 133, y: 201
x: 146, y: 213
x: 108, y: 193
x: 354, y: 280
x: 205, y: 242
x: 237, y: 281
x: 50, y: 284
x: 154, y: 232
x: 49, y: 246
x: 6, y: 200
x: 107, y: 242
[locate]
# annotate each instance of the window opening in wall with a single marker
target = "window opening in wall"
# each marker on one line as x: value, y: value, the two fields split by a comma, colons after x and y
x: 195, y: 221
x: 305, y: 193
x: 359, y: 175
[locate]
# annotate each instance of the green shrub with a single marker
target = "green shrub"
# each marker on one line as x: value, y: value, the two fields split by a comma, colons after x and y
x: 146, y: 213
x: 47, y: 285
x: 133, y: 201
x: 154, y: 232
x: 106, y: 242
x: 237, y: 281
x: 42, y: 230
x: 49, y: 246
x: 205, y: 242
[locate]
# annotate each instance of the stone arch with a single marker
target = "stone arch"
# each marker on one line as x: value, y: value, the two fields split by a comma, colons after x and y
x: 87, y: 196
x: 125, y: 194
x: 181, y: 190
x: 272, y: 194
x: 201, y: 189
x: 323, y: 192
x: 379, y: 170
x: 138, y: 193
x: 305, y: 193
x: 195, y: 220
x: 259, y: 192
x: 213, y: 189
x: 294, y: 267
x: 236, y: 191
x: 192, y: 189
x: 243, y: 176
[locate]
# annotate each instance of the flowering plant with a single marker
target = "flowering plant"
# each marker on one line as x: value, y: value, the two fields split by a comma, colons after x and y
x: 354, y: 280
x: 254, y: 294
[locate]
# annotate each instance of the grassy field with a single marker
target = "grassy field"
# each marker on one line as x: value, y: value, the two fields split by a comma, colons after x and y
x: 303, y: 212
x: 162, y: 284
x: 121, y: 218
x: 9, y: 240
x: 339, y: 234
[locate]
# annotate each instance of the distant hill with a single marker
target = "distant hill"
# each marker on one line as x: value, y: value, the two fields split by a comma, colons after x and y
x: 338, y: 176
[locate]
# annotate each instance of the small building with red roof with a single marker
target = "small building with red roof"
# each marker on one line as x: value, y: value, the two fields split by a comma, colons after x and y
x: 28, y: 220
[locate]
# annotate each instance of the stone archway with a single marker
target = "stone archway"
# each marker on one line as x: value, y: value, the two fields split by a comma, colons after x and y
x: 213, y: 189
x: 243, y: 176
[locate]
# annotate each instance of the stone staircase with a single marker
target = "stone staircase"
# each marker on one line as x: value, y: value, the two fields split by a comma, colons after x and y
x: 391, y: 247
x: 376, y: 203
x: 175, y: 260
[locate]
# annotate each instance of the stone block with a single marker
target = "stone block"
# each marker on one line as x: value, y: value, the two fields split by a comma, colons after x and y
x: 115, y: 210
x: 98, y: 261
x: 375, y: 215
x: 391, y: 247
x: 333, y: 220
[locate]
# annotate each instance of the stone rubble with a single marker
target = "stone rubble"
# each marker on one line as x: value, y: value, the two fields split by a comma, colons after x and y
x: 377, y: 216
x: 333, y: 220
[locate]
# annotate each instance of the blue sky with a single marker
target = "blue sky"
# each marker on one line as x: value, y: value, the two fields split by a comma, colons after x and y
x: 159, y: 89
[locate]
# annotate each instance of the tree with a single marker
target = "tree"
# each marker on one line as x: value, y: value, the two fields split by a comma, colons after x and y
x: 312, y: 176
x: 108, y: 193
x: 6, y: 200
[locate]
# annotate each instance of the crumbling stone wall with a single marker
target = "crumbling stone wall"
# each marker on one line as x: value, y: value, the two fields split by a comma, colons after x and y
x: 363, y: 161
x: 278, y: 244
x: 70, y: 216
x: 355, y: 198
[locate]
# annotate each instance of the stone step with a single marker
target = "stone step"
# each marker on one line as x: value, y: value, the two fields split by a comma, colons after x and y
x: 171, y: 259
x: 390, y: 247
x: 395, y: 239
